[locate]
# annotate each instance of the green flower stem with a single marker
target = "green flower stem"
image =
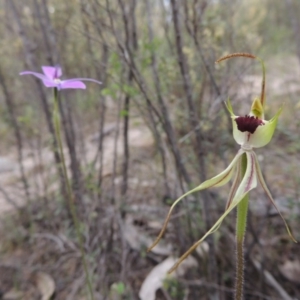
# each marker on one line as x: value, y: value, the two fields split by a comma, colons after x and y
x: 56, y: 120
x: 241, y: 223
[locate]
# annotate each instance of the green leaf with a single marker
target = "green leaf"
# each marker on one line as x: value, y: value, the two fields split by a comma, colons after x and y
x: 129, y: 90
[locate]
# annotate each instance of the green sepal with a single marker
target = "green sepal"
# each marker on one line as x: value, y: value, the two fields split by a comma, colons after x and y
x: 257, y: 109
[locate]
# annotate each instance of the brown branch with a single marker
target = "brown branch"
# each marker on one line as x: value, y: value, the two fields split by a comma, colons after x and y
x: 168, y: 128
x: 17, y: 131
x: 194, y: 120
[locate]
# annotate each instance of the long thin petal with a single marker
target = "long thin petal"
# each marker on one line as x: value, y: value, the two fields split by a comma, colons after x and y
x: 38, y: 75
x: 67, y: 84
x: 216, y: 181
x: 229, y: 108
x: 46, y: 81
x: 83, y: 79
x: 248, y: 183
x: 235, y: 184
x: 264, y: 185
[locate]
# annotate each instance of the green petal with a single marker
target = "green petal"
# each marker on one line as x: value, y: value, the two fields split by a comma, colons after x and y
x: 240, y: 137
x: 248, y: 183
x: 264, y: 185
x: 264, y: 133
x: 216, y: 181
x: 235, y: 184
x: 229, y: 108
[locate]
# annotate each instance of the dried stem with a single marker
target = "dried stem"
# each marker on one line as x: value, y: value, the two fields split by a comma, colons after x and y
x: 17, y: 131
x: 131, y: 44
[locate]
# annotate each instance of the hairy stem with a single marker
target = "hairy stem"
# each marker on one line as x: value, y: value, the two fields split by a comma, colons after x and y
x: 241, y: 223
x: 56, y: 121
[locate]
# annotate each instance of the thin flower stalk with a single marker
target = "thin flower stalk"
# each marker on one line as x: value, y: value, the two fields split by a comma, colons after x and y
x: 241, y: 223
x: 56, y: 121
x: 249, y: 131
x: 51, y: 79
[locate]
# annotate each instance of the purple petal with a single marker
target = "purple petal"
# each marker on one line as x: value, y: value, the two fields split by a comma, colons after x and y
x: 52, y: 72
x: 50, y: 83
x: 46, y: 81
x: 84, y: 79
x: 49, y: 72
x: 58, y: 71
x: 72, y: 84
x: 38, y: 75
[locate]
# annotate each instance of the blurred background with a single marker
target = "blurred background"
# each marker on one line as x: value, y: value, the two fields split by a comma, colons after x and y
x: 155, y: 128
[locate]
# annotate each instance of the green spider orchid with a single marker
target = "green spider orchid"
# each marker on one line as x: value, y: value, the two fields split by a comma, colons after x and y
x: 250, y: 131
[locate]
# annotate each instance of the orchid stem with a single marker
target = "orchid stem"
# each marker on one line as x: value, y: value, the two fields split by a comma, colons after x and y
x: 241, y: 222
x: 56, y: 120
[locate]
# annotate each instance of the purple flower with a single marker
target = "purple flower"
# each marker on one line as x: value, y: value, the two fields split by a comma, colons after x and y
x: 51, y: 78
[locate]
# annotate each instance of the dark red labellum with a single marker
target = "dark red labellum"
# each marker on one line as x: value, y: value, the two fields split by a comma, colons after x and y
x: 248, y: 123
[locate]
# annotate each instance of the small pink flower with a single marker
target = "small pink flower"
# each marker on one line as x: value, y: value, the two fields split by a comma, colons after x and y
x: 51, y: 78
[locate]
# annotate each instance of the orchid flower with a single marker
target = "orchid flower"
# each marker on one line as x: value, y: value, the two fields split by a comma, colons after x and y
x: 51, y: 78
x: 249, y: 131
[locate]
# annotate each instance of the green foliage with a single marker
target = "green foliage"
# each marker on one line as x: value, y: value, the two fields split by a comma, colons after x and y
x: 115, y: 63
x: 112, y: 90
x: 130, y: 90
x: 118, y: 291
x: 119, y: 288
x: 174, y: 288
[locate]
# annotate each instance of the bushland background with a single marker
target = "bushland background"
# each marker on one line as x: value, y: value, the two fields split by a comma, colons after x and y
x: 155, y: 128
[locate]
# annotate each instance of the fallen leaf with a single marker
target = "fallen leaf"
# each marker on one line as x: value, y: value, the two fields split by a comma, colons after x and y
x: 138, y: 240
x: 45, y: 285
x: 159, y: 273
x: 291, y: 270
x: 13, y: 295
